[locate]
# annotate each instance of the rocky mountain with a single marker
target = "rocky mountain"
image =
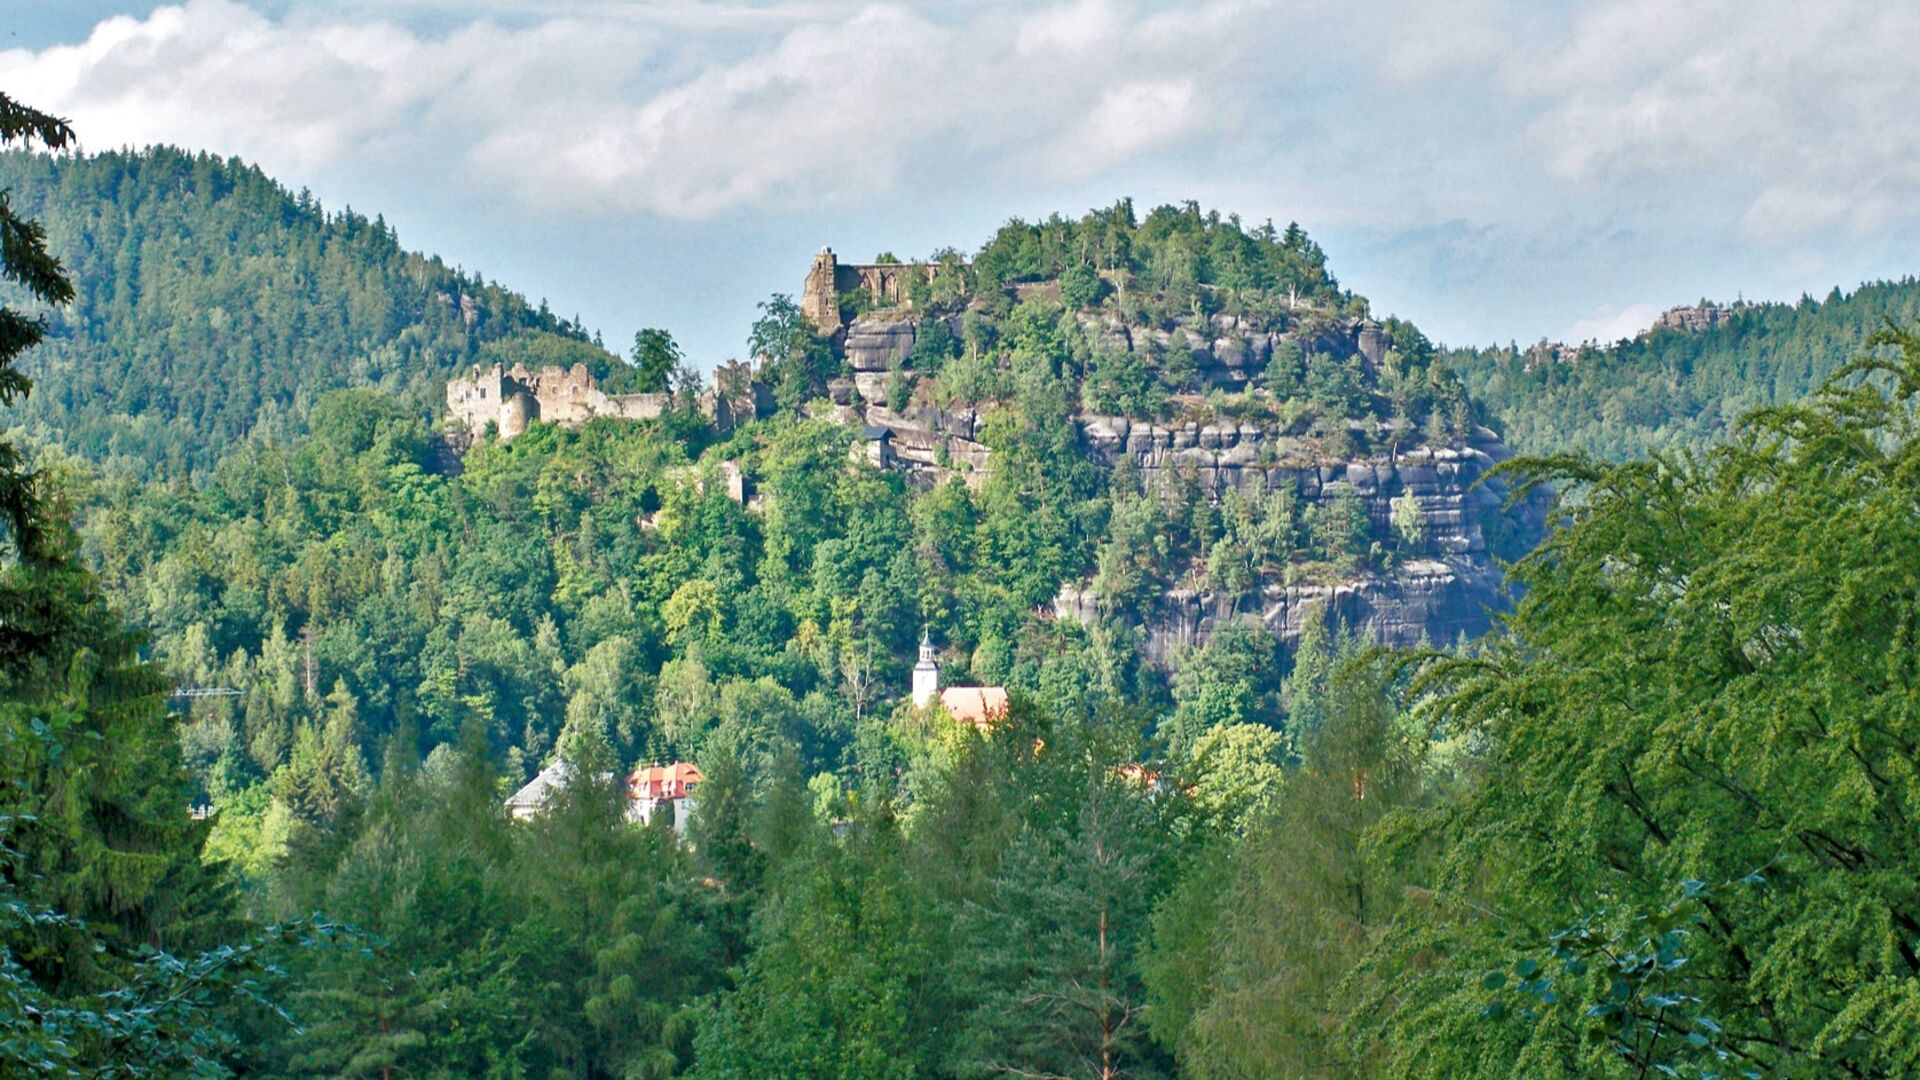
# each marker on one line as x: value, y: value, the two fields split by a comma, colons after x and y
x: 1245, y: 397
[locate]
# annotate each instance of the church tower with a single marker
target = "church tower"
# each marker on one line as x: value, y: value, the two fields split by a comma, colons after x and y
x: 926, y: 675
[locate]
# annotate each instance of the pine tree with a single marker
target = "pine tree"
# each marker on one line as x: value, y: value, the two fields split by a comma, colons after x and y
x: 1053, y: 955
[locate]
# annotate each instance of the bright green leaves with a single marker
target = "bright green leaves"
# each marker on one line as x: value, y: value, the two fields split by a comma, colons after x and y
x: 1710, y: 669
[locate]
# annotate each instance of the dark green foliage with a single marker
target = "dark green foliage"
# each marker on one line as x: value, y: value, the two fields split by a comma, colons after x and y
x: 933, y: 346
x: 656, y: 363
x: 1252, y: 952
x: 1193, y: 262
x: 100, y: 864
x: 1707, y: 674
x: 793, y: 356
x: 218, y: 306
x: 829, y: 989
x: 1080, y: 285
x: 1673, y: 390
x: 25, y: 261
x: 1625, y: 978
x: 1119, y: 384
x: 1336, y: 385
x: 1284, y: 374
x: 1231, y: 681
x: 1054, y: 940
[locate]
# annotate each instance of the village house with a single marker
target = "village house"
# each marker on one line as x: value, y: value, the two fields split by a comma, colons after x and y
x: 651, y: 790
x: 534, y: 796
x: 663, y: 788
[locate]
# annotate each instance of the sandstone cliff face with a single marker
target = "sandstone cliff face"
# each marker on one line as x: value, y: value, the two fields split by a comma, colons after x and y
x: 878, y: 345
x: 1449, y: 591
x: 1228, y: 352
x: 1444, y: 592
x: 1253, y: 460
x: 1437, y: 601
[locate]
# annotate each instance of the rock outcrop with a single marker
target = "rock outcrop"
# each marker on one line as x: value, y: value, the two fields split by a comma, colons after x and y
x: 1444, y: 590
x: 1437, y: 601
x: 1254, y: 460
x: 1447, y: 591
x: 1692, y: 319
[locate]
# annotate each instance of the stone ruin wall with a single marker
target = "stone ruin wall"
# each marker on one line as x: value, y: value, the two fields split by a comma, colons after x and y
x: 887, y: 283
x: 510, y: 399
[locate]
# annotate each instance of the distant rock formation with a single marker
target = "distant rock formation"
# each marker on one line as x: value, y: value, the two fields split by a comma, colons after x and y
x: 1446, y: 589
x: 1685, y: 319
x: 1692, y: 319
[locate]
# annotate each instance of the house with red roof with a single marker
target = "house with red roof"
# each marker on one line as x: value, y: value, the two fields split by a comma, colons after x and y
x: 655, y: 789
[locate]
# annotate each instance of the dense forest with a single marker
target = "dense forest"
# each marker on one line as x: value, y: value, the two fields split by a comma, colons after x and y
x: 218, y: 306
x: 1672, y: 389
x: 1655, y: 824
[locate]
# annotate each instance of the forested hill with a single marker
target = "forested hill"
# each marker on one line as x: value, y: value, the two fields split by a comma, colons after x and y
x: 1674, y: 388
x: 214, y: 304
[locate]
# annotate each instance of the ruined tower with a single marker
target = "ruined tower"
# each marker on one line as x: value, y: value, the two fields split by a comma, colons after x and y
x: 820, y: 298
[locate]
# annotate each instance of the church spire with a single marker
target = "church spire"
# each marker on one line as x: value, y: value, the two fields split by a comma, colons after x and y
x: 926, y: 673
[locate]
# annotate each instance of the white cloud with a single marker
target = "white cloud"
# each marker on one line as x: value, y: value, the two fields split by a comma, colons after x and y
x: 1126, y: 122
x: 1073, y: 28
x: 1607, y: 324
x: 1515, y: 161
x: 603, y: 113
x: 213, y: 73
x: 1802, y: 110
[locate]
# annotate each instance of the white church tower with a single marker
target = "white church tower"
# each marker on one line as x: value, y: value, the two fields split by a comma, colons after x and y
x: 926, y: 675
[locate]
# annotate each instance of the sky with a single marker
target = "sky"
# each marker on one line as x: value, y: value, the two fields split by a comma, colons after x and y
x: 1493, y: 171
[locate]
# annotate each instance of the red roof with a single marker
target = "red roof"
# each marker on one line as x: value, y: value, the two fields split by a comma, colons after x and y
x: 675, y: 781
x: 981, y: 706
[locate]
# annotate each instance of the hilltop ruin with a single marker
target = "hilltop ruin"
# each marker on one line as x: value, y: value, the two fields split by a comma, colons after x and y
x: 509, y: 399
x: 889, y: 285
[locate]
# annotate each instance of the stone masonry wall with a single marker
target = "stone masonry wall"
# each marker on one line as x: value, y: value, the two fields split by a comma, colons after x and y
x: 511, y: 399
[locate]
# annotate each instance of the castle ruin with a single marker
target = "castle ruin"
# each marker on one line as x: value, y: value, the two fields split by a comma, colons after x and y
x: 888, y: 283
x: 510, y: 399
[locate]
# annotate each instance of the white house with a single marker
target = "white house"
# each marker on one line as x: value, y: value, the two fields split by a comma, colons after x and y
x: 651, y: 790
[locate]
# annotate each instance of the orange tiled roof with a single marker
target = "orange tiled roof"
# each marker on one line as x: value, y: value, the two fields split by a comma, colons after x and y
x: 981, y: 706
x: 675, y: 781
